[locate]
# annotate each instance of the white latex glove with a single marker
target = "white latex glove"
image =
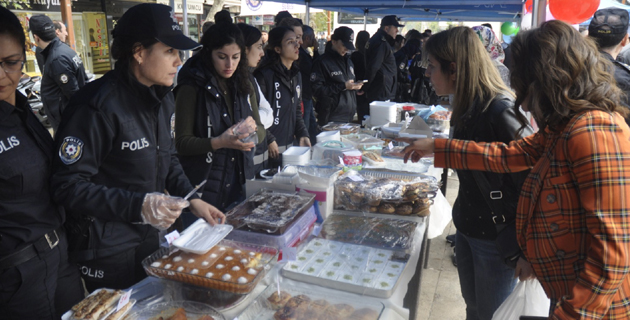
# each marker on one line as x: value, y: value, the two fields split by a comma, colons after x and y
x: 160, y: 210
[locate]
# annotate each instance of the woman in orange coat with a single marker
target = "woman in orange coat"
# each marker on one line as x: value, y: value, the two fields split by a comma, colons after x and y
x: 573, y: 212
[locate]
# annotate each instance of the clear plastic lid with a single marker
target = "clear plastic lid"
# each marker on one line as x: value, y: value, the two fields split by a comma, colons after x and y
x: 200, y: 237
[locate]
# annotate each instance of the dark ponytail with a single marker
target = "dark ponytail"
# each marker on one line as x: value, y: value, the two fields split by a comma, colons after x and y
x: 251, y: 34
x: 275, y: 41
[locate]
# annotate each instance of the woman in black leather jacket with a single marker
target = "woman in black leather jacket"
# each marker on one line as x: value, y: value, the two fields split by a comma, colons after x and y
x: 488, y: 256
x: 281, y: 84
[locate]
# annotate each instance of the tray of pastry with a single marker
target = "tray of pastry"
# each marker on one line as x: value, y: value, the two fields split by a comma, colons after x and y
x: 102, y: 304
x: 270, y: 211
x: 295, y: 302
x: 377, y: 232
x: 348, y: 267
x: 229, y: 266
x: 385, y: 192
x: 343, y: 128
x: 177, y: 310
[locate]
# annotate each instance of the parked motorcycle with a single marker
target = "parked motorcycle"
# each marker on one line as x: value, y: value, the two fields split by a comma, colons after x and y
x: 30, y: 87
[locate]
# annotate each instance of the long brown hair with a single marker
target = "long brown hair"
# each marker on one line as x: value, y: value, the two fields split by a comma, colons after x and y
x: 561, y: 73
x: 477, y: 80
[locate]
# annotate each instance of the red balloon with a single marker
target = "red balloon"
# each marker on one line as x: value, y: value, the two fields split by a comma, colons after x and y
x: 573, y: 12
x: 528, y: 6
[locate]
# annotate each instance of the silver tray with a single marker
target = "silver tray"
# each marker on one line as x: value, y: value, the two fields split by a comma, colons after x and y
x: 261, y: 309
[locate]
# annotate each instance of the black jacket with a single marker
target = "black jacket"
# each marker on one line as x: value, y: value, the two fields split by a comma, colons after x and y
x: 471, y: 212
x: 26, y: 154
x: 334, y: 102
x: 380, y: 67
x: 115, y: 146
x: 212, y: 119
x: 358, y: 60
x: 622, y: 76
x: 63, y: 76
x: 283, y: 89
x: 306, y: 65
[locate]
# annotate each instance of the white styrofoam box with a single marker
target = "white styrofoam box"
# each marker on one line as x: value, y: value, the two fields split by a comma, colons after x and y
x: 329, y: 135
x: 382, y: 112
x: 324, y: 196
x: 296, y: 155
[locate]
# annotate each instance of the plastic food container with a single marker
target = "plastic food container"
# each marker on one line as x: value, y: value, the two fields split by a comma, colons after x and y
x: 201, y: 236
x: 296, y: 156
x: 230, y: 266
x: 330, y: 150
x: 381, y: 233
x: 290, y: 237
x: 270, y: 211
x: 317, y: 303
x: 319, y: 176
x: 343, y: 128
x: 165, y: 310
x: 328, y: 136
x: 438, y: 125
x: 348, y: 267
x: 386, y: 192
x: 391, y: 130
x: 364, y: 142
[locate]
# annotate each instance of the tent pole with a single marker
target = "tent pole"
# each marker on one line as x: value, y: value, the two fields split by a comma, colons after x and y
x: 186, y: 31
x: 539, y: 12
x: 307, y: 19
x: 365, y: 12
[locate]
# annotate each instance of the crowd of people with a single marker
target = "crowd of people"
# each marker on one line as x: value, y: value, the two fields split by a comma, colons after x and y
x: 88, y: 206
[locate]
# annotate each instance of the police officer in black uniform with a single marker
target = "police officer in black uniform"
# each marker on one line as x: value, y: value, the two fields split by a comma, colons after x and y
x: 333, y: 78
x: 36, y: 280
x: 116, y: 155
x: 380, y: 63
x: 609, y: 28
x: 64, y: 73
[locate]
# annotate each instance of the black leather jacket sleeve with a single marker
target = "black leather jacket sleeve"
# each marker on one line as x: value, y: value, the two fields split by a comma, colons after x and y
x: 72, y: 184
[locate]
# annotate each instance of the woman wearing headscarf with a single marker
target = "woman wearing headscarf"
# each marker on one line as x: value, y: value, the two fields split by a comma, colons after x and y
x: 495, y: 50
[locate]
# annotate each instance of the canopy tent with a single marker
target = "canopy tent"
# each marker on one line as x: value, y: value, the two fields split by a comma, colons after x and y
x: 490, y: 10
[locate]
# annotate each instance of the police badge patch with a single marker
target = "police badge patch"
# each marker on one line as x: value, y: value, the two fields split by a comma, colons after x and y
x: 71, y: 150
x: 299, y: 91
x: 313, y: 76
x: 63, y: 78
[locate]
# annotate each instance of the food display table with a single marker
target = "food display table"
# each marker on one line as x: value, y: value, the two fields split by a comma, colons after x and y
x: 151, y: 291
x: 394, y: 192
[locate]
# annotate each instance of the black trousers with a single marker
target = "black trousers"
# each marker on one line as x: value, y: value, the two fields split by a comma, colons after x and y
x: 44, y: 287
x: 119, y: 271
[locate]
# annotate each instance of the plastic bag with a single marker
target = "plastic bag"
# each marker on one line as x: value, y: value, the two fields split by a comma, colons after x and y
x: 246, y: 127
x: 527, y: 299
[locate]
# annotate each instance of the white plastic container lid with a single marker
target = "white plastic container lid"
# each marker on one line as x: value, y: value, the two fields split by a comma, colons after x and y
x: 328, y: 135
x: 200, y: 237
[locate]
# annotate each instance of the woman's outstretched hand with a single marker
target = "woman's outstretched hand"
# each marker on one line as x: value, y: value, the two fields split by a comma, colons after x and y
x: 417, y: 148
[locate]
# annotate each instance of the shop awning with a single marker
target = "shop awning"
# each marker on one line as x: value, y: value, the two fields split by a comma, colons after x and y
x: 194, y: 6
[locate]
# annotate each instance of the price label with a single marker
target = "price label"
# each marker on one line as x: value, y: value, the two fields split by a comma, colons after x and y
x: 390, y: 146
x: 356, y: 178
x: 171, y: 237
x: 124, y: 300
x: 317, y: 230
x: 289, y: 254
